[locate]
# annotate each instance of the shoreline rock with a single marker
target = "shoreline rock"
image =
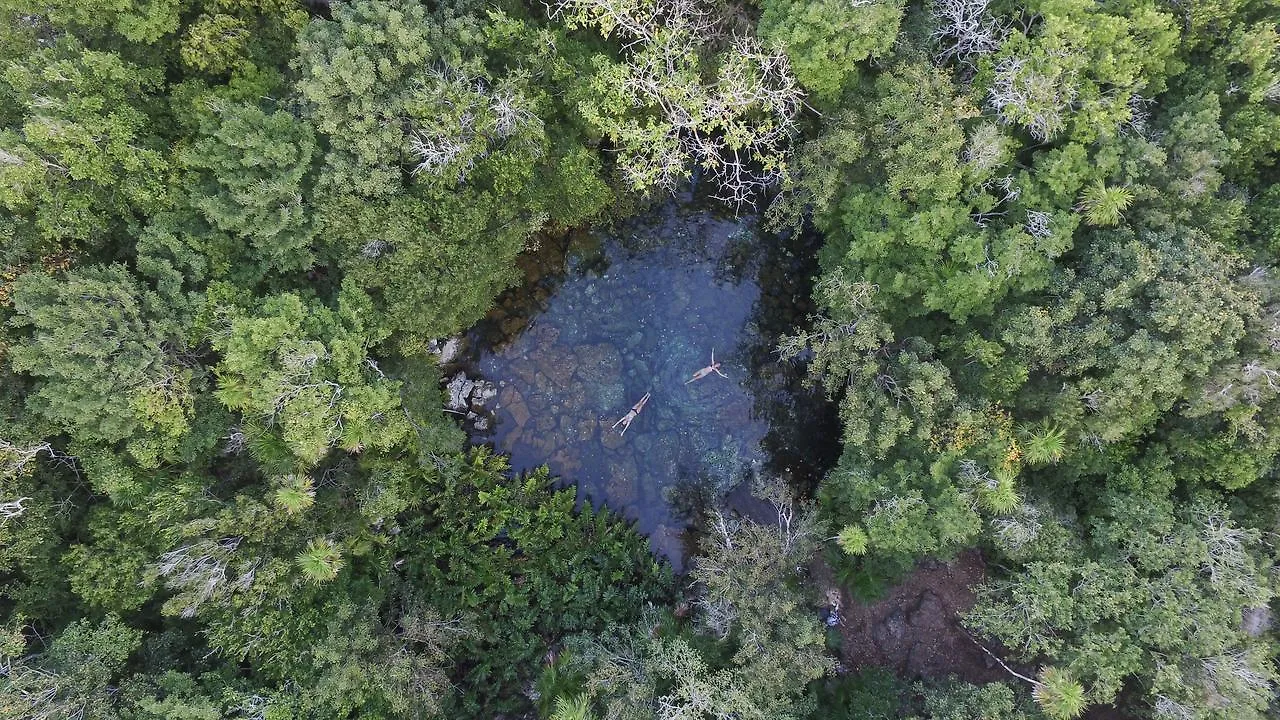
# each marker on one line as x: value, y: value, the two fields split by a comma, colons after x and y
x: 459, y: 389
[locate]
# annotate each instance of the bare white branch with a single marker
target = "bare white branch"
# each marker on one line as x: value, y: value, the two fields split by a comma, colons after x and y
x: 965, y: 29
x: 1039, y: 224
x: 734, y: 129
x: 1021, y: 93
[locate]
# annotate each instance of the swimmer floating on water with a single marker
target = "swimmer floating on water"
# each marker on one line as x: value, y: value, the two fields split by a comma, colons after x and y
x: 714, y: 367
x: 625, y: 420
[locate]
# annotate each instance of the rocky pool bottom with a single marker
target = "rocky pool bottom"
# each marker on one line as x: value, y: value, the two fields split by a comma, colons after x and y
x: 607, y: 315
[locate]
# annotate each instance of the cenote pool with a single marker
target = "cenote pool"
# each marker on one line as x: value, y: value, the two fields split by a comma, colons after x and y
x: 607, y: 315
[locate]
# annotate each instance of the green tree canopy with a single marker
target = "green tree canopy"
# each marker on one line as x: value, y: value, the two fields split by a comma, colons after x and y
x: 111, y: 357
x: 303, y: 371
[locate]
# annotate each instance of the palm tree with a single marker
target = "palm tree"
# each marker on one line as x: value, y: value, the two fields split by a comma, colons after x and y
x: 1001, y: 494
x: 577, y: 707
x: 853, y: 540
x: 1102, y: 205
x: 1046, y: 445
x: 1058, y: 694
x: 321, y: 561
x: 1055, y: 691
x: 295, y: 494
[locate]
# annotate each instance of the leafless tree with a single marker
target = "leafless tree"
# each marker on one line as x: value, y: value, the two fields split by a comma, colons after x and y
x: 1227, y: 561
x: 889, y: 384
x: 1039, y: 224
x: 1253, y: 383
x: 474, y: 119
x: 1272, y: 92
x: 1022, y: 612
x: 637, y: 22
x: 1092, y: 440
x: 893, y: 506
x: 1167, y: 708
x: 253, y: 707
x: 436, y: 151
x: 1239, y: 672
x: 1004, y: 187
x: 199, y: 571
x: 1139, y: 122
x: 14, y: 459
x: 736, y: 154
x: 735, y: 129
x: 1093, y: 399
x: 375, y: 249
x: 1016, y: 530
x: 1005, y: 191
x: 1024, y: 94
x: 300, y: 375
x: 510, y: 114
x: 972, y: 475
x: 35, y: 693
x: 235, y: 441
x: 796, y: 527
x: 985, y: 148
x: 10, y: 509
x: 1255, y: 370
x: 965, y: 29
x: 825, y: 332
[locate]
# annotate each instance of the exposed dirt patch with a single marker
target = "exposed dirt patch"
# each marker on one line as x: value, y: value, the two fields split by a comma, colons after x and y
x: 915, y: 629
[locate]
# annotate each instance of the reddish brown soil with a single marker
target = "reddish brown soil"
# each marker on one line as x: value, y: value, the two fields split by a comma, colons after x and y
x: 915, y: 629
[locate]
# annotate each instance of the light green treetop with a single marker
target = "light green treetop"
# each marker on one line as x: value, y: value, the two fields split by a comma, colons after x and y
x: 303, y: 371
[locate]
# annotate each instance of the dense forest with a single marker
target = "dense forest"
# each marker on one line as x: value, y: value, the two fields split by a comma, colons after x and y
x: 234, y: 232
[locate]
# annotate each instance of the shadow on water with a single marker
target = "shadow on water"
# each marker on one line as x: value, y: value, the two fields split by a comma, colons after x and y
x: 607, y: 315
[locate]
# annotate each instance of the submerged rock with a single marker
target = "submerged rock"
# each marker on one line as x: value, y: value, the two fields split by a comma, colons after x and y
x: 523, y: 372
x: 559, y: 367
x: 611, y: 395
x: 514, y: 403
x: 621, y: 486
x: 543, y: 335
x: 610, y: 438
x: 565, y: 462
x: 597, y: 364
x: 511, y: 326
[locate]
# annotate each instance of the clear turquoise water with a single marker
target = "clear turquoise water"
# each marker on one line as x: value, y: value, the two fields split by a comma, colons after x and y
x: 639, y: 308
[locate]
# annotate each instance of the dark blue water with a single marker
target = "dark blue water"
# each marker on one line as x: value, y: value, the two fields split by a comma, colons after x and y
x: 617, y: 313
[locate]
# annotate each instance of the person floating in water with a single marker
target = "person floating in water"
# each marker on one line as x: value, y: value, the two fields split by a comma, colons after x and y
x: 714, y: 367
x: 625, y: 420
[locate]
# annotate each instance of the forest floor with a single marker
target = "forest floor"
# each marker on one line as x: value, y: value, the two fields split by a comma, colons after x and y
x: 915, y: 629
